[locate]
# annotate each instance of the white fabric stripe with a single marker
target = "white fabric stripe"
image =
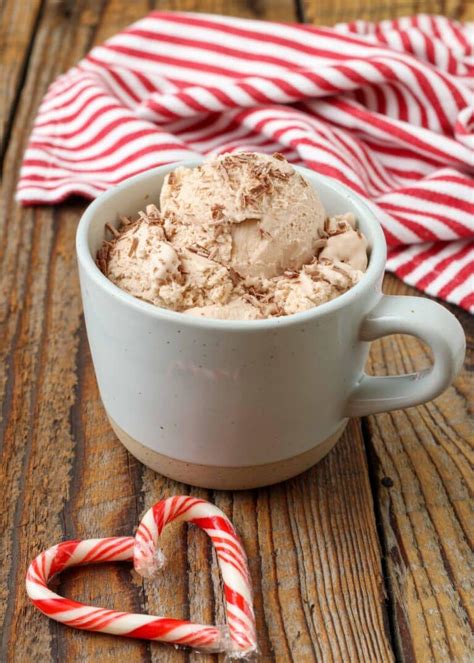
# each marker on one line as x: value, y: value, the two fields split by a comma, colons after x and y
x: 393, y: 225
x: 253, y: 142
x: 56, y: 116
x: 219, y: 126
x: 464, y: 289
x: 441, y: 230
x: 394, y: 162
x: 420, y: 204
x: 94, y: 154
x: 393, y: 263
x: 452, y: 150
x: 143, y: 160
x: 224, y: 139
x: 64, y: 158
x: 427, y: 218
x: 456, y: 189
x: 381, y: 177
x: 433, y: 224
x: 114, y: 86
x: 206, y: 57
x: 58, y: 101
x: 176, y: 72
x: 134, y: 83
x: 244, y: 44
x: 90, y: 133
x: 449, y: 272
x: 56, y: 128
x: 375, y: 179
x: 427, y: 266
x: 322, y: 38
x: 33, y: 192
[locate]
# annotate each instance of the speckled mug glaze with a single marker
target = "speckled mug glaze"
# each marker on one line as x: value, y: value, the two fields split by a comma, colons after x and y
x: 239, y: 404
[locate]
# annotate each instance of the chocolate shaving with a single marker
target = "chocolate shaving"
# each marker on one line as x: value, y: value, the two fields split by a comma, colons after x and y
x: 224, y: 168
x: 217, y: 212
x: 303, y: 181
x: 279, y: 175
x: 133, y: 247
x: 290, y: 274
x: 277, y: 155
x: 234, y: 276
x: 213, y: 252
x: 198, y: 250
x: 264, y: 234
x: 260, y: 189
x: 341, y: 271
x: 102, y: 257
x: 113, y: 230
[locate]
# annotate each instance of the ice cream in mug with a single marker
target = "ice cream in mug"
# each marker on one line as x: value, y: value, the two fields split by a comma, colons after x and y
x: 239, y: 237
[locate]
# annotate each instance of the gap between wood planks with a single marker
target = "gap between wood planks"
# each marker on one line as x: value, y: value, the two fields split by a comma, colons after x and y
x: 23, y: 70
x: 393, y: 617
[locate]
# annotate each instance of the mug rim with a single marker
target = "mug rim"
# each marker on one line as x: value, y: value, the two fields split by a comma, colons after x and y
x: 376, y: 266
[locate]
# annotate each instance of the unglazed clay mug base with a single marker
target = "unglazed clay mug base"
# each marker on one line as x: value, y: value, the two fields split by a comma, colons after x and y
x: 239, y: 404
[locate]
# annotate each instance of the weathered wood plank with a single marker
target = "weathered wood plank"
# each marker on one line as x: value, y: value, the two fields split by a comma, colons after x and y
x: 423, y: 473
x: 312, y: 542
x: 329, y: 12
x: 117, y: 13
x: 18, y: 23
x: 314, y: 559
x: 40, y: 327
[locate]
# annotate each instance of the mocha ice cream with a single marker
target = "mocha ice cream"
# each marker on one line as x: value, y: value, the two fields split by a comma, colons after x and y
x: 240, y: 237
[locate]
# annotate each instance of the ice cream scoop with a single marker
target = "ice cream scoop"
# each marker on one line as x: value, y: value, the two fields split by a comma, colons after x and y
x: 240, y: 237
x: 266, y: 215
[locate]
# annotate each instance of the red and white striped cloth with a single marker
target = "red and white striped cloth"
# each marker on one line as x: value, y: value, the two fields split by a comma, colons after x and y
x: 386, y: 108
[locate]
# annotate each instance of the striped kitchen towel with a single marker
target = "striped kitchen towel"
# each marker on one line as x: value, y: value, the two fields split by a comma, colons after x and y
x: 386, y: 108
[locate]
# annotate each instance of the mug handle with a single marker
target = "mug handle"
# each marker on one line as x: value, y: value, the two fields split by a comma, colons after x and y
x: 431, y: 323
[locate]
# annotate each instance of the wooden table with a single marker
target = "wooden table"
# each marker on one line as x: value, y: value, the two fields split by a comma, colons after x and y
x: 363, y: 558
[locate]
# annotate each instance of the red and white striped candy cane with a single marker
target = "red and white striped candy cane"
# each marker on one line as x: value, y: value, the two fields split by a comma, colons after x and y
x: 230, y: 555
x: 161, y: 629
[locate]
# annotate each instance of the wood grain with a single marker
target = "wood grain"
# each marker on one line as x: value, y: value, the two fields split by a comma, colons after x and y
x: 422, y: 463
x: 18, y: 23
x: 313, y: 546
x: 329, y: 12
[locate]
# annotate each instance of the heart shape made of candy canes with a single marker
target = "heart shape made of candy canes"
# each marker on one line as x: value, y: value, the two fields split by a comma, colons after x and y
x: 237, y: 639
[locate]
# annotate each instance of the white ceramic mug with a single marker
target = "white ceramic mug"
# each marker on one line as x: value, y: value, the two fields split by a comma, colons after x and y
x: 239, y: 404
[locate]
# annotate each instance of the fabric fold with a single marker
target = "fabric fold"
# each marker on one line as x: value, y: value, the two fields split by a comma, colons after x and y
x: 386, y: 108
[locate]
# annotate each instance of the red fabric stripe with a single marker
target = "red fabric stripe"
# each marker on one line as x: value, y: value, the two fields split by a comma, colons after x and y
x: 458, y: 228
x: 120, y: 142
x: 408, y: 267
x: 439, y: 267
x: 228, y: 29
x: 441, y: 199
x: 467, y: 302
x: 110, y: 169
x: 391, y: 129
x: 217, y: 48
x: 466, y: 272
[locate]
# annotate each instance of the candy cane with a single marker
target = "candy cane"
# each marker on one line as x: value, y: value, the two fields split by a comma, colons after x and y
x: 230, y: 556
x: 232, y: 562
